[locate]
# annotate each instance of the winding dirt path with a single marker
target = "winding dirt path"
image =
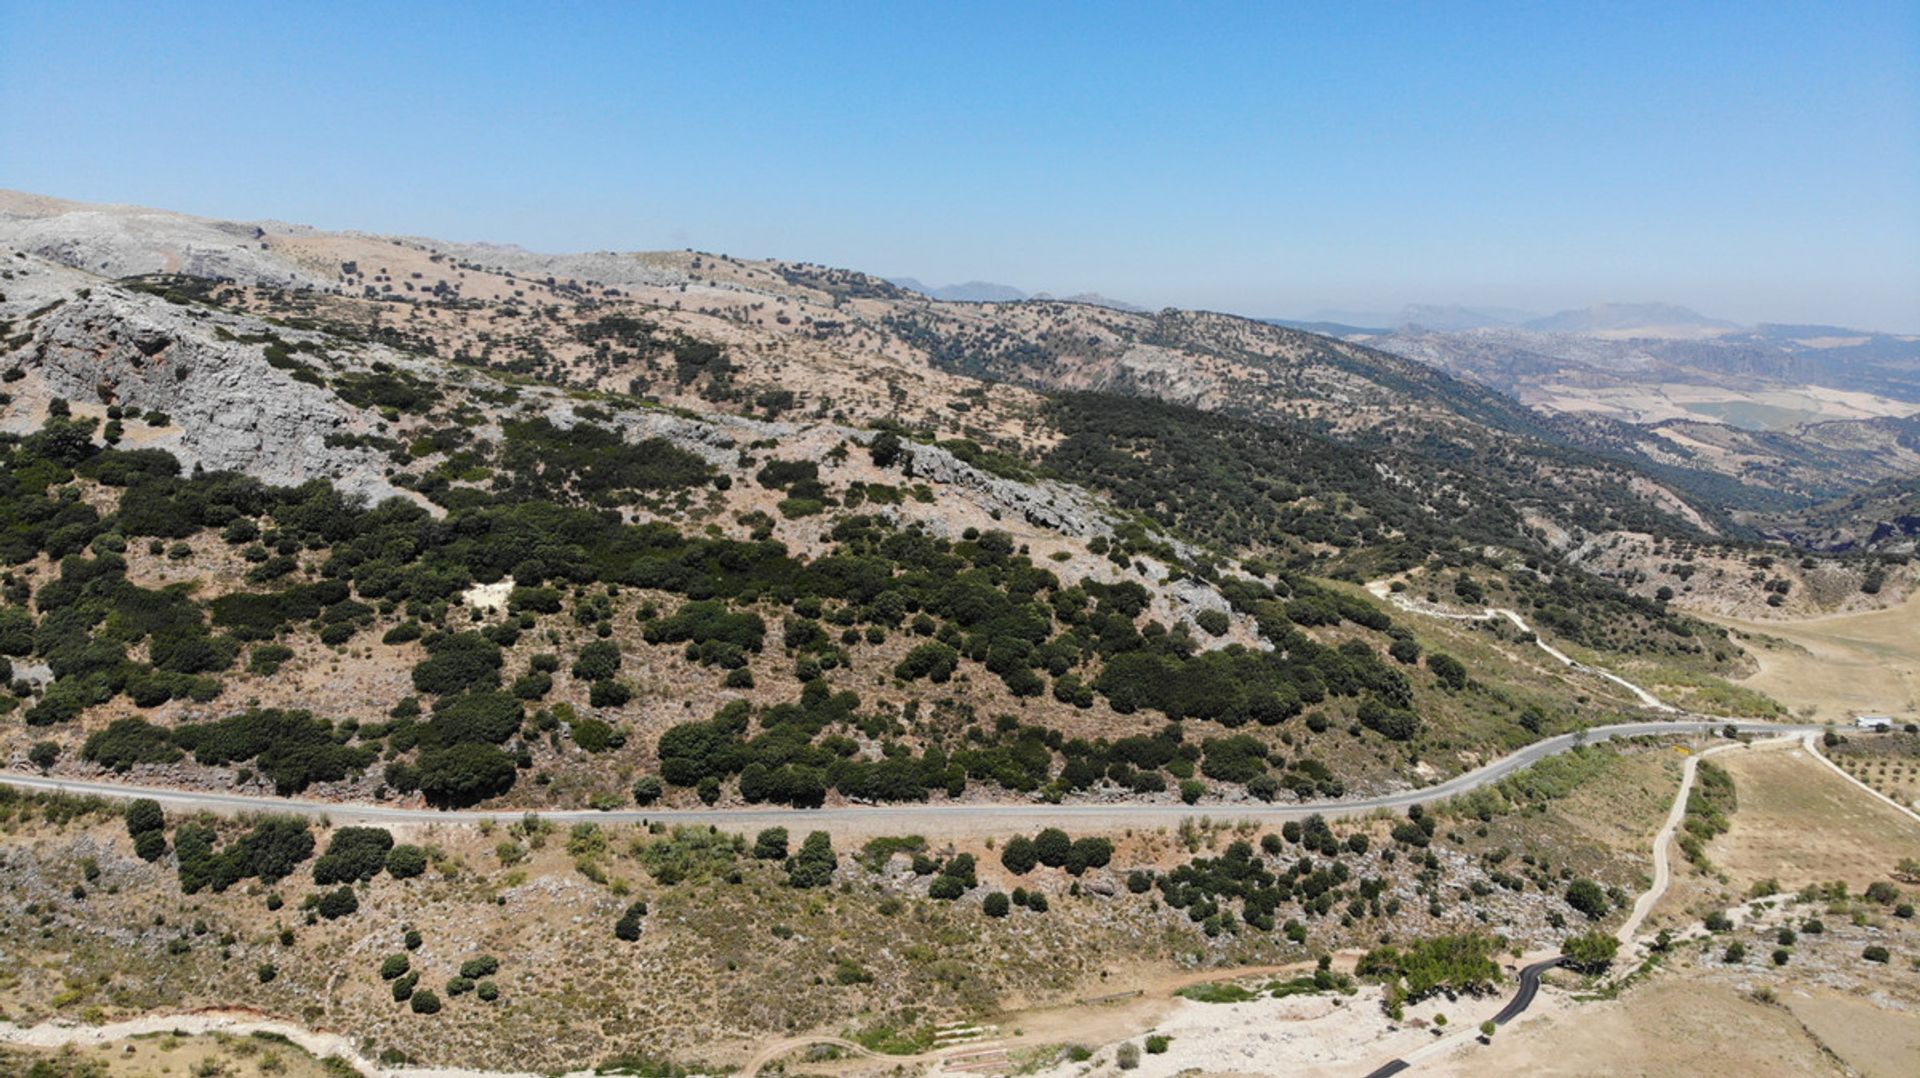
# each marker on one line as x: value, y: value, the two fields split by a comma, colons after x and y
x: 1382, y: 589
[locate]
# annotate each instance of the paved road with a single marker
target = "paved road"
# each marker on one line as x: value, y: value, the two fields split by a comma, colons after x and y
x: 949, y: 818
x: 1529, y: 988
x: 1522, y: 999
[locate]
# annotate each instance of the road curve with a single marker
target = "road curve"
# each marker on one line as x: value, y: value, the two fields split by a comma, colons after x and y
x: 1522, y: 999
x: 962, y: 817
x: 1529, y: 988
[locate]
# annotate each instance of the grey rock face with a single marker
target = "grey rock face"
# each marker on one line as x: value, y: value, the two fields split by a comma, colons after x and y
x: 233, y: 410
x: 1046, y: 504
x: 126, y: 241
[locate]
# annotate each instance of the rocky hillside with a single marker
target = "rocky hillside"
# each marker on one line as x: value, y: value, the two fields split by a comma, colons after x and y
x: 394, y: 518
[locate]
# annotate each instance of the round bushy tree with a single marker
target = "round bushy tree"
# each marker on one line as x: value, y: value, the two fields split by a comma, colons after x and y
x: 406, y: 861
x: 144, y: 815
x: 1019, y: 855
x: 337, y: 903
x: 1052, y: 847
x: 1587, y: 897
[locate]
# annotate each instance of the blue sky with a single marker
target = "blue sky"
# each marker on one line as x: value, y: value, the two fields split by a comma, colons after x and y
x: 1756, y: 161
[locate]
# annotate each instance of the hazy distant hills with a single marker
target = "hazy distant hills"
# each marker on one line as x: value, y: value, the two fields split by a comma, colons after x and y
x: 1650, y: 362
x: 1599, y: 428
x: 1614, y: 317
x: 989, y: 292
x: 1650, y: 319
x: 967, y: 292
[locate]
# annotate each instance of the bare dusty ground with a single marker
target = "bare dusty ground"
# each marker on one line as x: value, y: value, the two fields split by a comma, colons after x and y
x: 166, y: 1054
x: 1673, y: 1028
x: 1836, y: 667
x: 1871, y: 1040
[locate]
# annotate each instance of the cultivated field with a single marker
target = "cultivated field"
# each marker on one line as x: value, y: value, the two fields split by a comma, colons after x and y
x: 1800, y: 823
x: 1888, y: 763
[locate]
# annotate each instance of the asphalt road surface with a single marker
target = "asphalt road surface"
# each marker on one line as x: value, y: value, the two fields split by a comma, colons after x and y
x: 1529, y: 988
x: 948, y: 818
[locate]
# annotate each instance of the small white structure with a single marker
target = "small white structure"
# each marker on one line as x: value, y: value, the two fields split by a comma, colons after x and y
x: 489, y: 598
x: 1882, y: 723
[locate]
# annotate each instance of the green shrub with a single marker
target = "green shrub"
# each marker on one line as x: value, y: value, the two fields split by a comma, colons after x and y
x: 1085, y: 853
x: 43, y: 754
x: 630, y: 923
x: 814, y: 865
x: 1588, y: 898
x: 932, y: 660
x: 474, y: 969
x: 597, y: 661
x: 459, y: 662
x: 406, y: 861
x: 771, y: 844
x: 1592, y: 952
x: 479, y: 718
x: 1448, y: 669
x: 126, y: 742
x: 144, y: 815
x: 150, y: 845
x: 425, y: 1002
x: 1019, y: 855
x: 464, y: 774
x: 609, y: 694
x: 337, y: 903
x: 353, y: 854
x: 596, y: 736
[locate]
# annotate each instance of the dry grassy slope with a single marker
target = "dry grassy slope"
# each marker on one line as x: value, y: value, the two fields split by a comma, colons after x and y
x: 1739, y: 581
x: 844, y: 344
x: 716, y: 970
x: 162, y: 1055
x: 91, y: 341
x: 363, y: 678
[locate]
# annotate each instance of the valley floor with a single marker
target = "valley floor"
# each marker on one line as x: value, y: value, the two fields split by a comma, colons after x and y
x: 1833, y: 668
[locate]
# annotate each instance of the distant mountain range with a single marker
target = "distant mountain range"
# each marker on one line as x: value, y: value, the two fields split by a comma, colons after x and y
x: 1657, y: 319
x: 1613, y: 317
x: 988, y: 292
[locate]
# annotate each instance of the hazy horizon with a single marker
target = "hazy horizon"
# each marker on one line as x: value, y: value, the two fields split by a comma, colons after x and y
x: 1753, y: 165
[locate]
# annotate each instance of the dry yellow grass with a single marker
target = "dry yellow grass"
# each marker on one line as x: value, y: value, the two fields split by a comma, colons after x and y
x: 1672, y: 1028
x: 1800, y: 823
x: 168, y: 1055
x: 1874, y: 1042
x: 1833, y: 668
